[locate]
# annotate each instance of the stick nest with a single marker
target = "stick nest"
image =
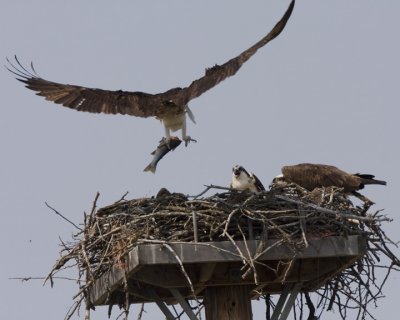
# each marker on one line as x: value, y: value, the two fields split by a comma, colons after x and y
x: 290, y: 214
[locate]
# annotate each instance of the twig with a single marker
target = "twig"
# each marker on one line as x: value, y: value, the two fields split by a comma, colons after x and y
x: 211, y: 186
x: 139, y: 317
x: 122, y: 198
x: 23, y: 279
x: 182, y: 267
x: 66, y: 219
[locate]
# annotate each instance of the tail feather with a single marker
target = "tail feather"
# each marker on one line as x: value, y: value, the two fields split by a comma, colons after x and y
x: 365, y: 176
x: 369, y: 179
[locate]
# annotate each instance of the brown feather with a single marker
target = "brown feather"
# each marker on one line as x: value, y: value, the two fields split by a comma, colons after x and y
x: 311, y: 176
x: 139, y: 104
x: 218, y: 73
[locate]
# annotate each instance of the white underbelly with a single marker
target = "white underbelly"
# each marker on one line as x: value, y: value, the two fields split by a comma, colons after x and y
x: 243, y: 184
x: 174, y: 122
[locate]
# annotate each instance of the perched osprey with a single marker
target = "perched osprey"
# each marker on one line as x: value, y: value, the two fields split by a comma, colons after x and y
x: 170, y: 106
x: 311, y: 176
x: 245, y: 181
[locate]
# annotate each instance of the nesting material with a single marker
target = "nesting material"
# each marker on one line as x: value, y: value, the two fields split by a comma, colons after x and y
x: 289, y: 213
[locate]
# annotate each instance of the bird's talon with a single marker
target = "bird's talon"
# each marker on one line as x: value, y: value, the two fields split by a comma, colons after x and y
x: 188, y: 140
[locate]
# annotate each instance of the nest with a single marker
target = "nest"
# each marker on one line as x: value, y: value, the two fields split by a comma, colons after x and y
x: 289, y: 213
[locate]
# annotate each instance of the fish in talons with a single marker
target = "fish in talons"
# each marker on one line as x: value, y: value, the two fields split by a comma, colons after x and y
x: 165, y: 146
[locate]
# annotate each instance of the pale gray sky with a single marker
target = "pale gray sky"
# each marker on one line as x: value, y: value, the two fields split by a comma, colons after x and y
x: 325, y: 91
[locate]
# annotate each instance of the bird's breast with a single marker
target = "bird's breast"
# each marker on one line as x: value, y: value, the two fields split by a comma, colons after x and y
x: 173, y: 122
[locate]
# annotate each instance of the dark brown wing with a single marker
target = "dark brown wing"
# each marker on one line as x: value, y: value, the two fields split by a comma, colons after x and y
x: 311, y: 176
x: 218, y: 73
x: 258, y: 183
x: 138, y: 104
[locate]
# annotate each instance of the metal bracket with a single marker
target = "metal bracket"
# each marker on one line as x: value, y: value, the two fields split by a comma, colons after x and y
x: 161, y: 304
x: 283, y: 307
x: 185, y: 306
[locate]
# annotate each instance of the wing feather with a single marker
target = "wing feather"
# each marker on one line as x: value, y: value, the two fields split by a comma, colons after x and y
x: 93, y: 100
x: 137, y: 103
x: 216, y: 74
x: 310, y: 176
x: 258, y: 183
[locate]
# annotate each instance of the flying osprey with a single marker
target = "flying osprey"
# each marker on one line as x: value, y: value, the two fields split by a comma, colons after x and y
x: 311, y: 176
x: 170, y: 106
x: 245, y: 181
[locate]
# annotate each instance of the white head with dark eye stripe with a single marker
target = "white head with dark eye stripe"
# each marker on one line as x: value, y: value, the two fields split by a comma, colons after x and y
x: 239, y: 171
x: 243, y: 180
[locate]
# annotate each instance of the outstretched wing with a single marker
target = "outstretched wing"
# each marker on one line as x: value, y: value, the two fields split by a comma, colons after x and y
x: 219, y: 73
x: 138, y: 104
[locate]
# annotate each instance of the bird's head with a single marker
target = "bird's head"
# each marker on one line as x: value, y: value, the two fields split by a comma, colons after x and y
x: 238, y: 171
x: 278, y: 181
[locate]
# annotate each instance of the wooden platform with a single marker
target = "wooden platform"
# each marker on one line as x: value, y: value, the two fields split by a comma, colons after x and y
x: 155, y: 270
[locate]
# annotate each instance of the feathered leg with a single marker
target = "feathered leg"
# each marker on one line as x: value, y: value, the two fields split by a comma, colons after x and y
x: 185, y: 137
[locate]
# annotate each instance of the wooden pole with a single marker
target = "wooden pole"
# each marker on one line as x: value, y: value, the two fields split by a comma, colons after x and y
x: 228, y: 303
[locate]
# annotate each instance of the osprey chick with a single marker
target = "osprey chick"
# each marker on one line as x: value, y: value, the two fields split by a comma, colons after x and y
x: 170, y: 106
x: 245, y: 181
